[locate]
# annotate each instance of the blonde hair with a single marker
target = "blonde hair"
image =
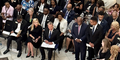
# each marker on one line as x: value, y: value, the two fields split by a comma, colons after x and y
x: 31, y: 9
x: 115, y: 24
x: 114, y: 51
x: 32, y: 27
x: 106, y: 45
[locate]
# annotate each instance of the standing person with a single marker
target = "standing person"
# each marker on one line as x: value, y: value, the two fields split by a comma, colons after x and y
x: 51, y: 36
x: 94, y: 37
x: 61, y: 25
x: 35, y: 37
x: 79, y: 35
x: 7, y: 12
x: 13, y: 3
x: 19, y: 28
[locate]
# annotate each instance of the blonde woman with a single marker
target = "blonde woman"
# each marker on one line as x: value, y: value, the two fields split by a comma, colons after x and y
x: 114, y: 52
x: 34, y: 38
x: 104, y: 52
x: 112, y: 31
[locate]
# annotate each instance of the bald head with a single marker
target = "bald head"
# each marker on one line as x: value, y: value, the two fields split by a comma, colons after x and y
x: 69, y: 7
x: 114, y: 15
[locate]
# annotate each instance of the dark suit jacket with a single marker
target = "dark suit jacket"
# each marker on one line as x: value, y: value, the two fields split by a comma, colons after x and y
x: 96, y: 37
x: 61, y: 4
x: 82, y: 34
x: 23, y: 27
x: 104, y: 24
x: 110, y: 20
x: 23, y: 13
x: 70, y: 15
x: 27, y: 18
x: 50, y: 18
x: 53, y: 11
x: 0, y: 23
x: 54, y: 37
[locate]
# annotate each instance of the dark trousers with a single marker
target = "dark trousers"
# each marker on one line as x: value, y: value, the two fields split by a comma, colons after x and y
x: 60, y: 42
x: 80, y: 48
x: 92, y: 53
x: 43, y: 53
x: 18, y: 40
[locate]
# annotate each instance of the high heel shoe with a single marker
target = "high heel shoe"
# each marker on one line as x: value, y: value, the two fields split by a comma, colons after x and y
x: 27, y: 56
x: 32, y: 56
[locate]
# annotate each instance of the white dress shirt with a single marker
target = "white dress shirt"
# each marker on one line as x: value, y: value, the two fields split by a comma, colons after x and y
x: 95, y: 26
x: 43, y: 21
x: 99, y: 22
x: 41, y: 7
x: 67, y: 14
x: 18, y: 28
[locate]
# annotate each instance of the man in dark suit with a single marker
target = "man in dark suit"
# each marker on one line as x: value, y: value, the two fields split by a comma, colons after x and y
x: 19, y: 28
x: 45, y: 18
x: 112, y: 18
x: 103, y: 22
x: 94, y: 37
x: 50, y: 36
x: 69, y: 13
x: 19, y: 11
x: 79, y: 35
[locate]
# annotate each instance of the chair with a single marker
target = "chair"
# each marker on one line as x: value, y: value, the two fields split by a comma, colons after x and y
x: 8, y: 28
x: 55, y: 50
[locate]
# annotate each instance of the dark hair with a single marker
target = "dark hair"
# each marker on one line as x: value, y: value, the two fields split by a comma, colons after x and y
x: 101, y: 13
x: 116, y: 4
x: 54, y: 1
x: 39, y: 3
x: 60, y: 13
x: 94, y: 19
x: 19, y: 17
x: 75, y: 17
x: 100, y: 3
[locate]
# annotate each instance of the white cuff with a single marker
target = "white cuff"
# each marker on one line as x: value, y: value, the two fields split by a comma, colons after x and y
x: 75, y: 38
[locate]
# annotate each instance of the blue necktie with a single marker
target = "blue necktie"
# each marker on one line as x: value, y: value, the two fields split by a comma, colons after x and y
x: 50, y: 35
x: 66, y: 14
x: 93, y: 30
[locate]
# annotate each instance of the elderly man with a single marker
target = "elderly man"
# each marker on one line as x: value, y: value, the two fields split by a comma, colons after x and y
x: 112, y: 18
x: 79, y: 35
x: 51, y: 36
x: 69, y: 13
x: 7, y: 12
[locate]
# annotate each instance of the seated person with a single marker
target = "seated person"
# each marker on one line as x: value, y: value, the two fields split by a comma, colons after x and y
x: 69, y: 35
x: 116, y: 39
x: 51, y: 36
x: 78, y: 8
x: 40, y: 6
x: 7, y: 12
x: 90, y: 6
x: 19, y: 11
x: 112, y: 31
x: 114, y: 52
x: 26, y: 4
x: 53, y: 7
x: 104, y: 52
x: 19, y: 28
x: 35, y: 37
x: 30, y: 16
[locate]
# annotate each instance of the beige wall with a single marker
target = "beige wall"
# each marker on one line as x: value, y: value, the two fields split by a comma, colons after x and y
x: 118, y: 1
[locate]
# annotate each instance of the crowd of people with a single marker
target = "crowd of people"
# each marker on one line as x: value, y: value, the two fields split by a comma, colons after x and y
x: 89, y: 26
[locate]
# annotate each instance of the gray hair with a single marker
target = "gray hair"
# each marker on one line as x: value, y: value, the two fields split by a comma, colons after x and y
x: 50, y: 23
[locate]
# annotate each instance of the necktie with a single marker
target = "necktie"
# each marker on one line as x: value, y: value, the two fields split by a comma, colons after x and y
x: 50, y: 35
x: 93, y: 29
x: 78, y: 30
x: 30, y: 20
x: 66, y: 15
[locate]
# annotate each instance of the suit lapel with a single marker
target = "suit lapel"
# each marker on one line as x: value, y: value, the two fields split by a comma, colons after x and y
x: 96, y: 29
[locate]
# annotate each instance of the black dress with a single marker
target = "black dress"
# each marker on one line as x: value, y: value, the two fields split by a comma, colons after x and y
x: 14, y: 3
x: 116, y: 40
x: 105, y: 55
x: 77, y: 10
x: 36, y: 33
